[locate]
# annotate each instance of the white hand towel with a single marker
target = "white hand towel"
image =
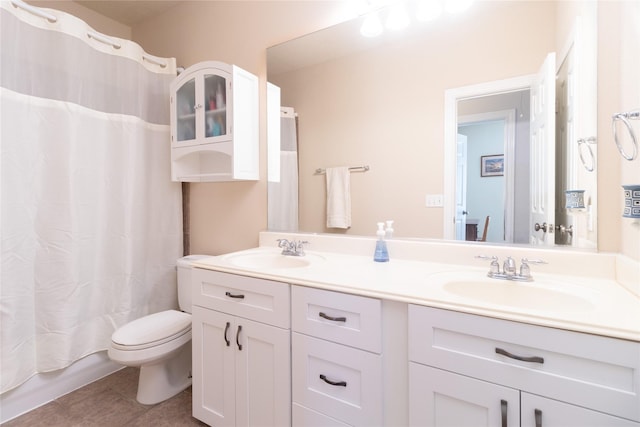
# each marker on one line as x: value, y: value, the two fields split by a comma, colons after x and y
x: 338, y: 197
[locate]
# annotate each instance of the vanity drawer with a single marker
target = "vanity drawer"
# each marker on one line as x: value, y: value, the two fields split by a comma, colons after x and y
x: 261, y: 300
x: 355, y: 397
x: 346, y: 319
x: 301, y: 416
x: 588, y: 370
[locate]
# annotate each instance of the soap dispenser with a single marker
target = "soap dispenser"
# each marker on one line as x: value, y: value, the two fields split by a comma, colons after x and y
x: 381, y: 254
x: 388, y: 231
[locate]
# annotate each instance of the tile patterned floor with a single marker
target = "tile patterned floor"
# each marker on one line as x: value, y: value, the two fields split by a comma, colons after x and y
x: 110, y: 402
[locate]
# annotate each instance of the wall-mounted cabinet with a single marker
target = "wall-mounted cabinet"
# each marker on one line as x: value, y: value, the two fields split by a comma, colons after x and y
x: 214, y: 124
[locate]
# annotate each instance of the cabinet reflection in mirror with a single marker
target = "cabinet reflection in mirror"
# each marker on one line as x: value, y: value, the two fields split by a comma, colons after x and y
x: 380, y: 102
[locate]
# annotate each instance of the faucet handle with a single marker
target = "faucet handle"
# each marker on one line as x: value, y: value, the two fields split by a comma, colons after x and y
x: 509, y: 267
x: 283, y: 243
x: 494, y: 267
x: 300, y: 247
x: 525, y: 270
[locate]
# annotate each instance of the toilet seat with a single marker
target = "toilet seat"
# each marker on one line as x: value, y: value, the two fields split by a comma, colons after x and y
x: 152, y: 330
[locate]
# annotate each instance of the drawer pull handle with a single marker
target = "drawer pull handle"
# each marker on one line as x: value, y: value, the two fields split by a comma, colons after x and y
x: 230, y: 295
x: 538, y: 414
x: 532, y: 359
x: 335, y: 383
x: 226, y: 329
x: 238, y: 337
x: 333, y: 319
x: 503, y: 410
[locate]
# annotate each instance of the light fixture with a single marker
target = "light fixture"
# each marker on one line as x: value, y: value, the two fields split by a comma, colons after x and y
x: 457, y: 6
x: 371, y: 26
x: 428, y: 10
x: 398, y: 18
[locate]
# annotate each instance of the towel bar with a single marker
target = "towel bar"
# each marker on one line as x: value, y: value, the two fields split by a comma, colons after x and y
x: 365, y: 168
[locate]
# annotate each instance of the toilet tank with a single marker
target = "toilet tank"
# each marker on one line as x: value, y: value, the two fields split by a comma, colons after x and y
x: 184, y: 280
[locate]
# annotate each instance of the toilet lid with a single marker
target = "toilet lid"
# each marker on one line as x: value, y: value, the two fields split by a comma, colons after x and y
x: 154, y: 327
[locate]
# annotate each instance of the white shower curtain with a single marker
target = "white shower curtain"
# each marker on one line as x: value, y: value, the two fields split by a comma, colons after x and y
x: 283, y: 195
x: 91, y: 223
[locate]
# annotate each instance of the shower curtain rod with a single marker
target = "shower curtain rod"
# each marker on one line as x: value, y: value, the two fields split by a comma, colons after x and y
x: 364, y: 168
x: 34, y: 10
x: 103, y: 39
x: 91, y: 34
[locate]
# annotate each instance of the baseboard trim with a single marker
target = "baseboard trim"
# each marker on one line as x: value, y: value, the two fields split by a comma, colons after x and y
x: 45, y: 387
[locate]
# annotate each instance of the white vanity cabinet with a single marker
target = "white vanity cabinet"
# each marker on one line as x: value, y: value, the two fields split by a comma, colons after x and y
x: 241, y: 350
x: 336, y: 359
x: 472, y: 370
x: 214, y: 124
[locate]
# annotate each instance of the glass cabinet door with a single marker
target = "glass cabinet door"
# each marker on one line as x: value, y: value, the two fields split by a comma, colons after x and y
x: 185, y: 106
x: 215, y: 100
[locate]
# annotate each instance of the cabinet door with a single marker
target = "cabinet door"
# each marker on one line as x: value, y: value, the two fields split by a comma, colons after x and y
x: 214, y: 382
x: 263, y: 374
x: 184, y: 110
x: 542, y: 412
x: 215, y: 85
x: 200, y: 108
x: 440, y: 398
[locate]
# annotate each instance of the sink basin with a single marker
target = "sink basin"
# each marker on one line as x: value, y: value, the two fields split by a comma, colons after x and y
x: 540, y: 295
x: 266, y: 260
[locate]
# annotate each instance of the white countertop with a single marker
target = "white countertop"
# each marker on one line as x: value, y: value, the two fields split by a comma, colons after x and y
x: 590, y: 304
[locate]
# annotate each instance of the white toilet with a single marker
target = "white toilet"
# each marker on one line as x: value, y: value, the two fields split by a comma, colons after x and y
x: 160, y: 344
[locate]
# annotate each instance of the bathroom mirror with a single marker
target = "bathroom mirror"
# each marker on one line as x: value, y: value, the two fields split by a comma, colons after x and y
x: 380, y: 102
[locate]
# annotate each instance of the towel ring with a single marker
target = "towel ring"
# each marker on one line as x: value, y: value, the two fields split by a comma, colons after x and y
x: 587, y: 142
x: 624, y: 118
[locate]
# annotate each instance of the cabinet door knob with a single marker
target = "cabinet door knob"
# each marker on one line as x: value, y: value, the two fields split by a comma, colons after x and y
x: 226, y: 329
x: 333, y: 319
x: 539, y: 227
x: 238, y: 337
x: 503, y: 410
x: 532, y: 359
x: 334, y: 383
x: 538, y: 414
x: 230, y: 295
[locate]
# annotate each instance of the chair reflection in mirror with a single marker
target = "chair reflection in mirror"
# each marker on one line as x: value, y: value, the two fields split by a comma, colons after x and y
x: 483, y: 238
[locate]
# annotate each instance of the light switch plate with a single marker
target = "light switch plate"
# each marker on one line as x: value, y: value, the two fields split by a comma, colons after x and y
x: 435, y: 200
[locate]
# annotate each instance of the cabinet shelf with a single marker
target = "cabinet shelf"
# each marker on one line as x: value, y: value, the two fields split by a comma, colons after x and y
x: 189, y: 117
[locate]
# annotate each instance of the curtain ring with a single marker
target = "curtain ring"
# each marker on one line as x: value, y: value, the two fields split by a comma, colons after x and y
x: 587, y: 142
x: 623, y: 117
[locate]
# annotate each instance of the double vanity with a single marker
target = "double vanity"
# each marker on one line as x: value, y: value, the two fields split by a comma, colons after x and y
x: 332, y: 338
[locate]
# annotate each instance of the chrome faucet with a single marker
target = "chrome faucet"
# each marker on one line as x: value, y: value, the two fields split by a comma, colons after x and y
x: 509, y: 266
x: 509, y: 270
x: 291, y: 247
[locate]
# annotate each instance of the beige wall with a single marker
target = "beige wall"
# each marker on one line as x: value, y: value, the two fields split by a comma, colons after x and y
x: 618, y: 90
x: 385, y: 108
